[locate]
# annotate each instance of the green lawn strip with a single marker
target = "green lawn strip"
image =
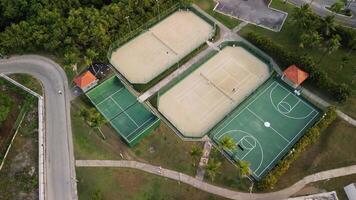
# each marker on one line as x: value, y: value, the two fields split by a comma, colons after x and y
x: 163, y: 147
x: 116, y: 183
x: 334, y: 149
x: 15, y: 178
x: 288, y: 38
x: 335, y: 184
x: 208, y: 6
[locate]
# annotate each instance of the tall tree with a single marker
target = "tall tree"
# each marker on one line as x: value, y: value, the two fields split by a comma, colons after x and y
x: 227, y: 143
x: 244, y: 168
x: 196, y: 153
x: 310, y: 39
x: 303, y: 17
x: 328, y: 25
x: 212, y: 168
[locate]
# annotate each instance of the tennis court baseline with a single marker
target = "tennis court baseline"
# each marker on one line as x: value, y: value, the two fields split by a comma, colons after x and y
x: 266, y: 126
x: 126, y: 115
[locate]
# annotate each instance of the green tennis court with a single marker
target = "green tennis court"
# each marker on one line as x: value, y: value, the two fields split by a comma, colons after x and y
x: 266, y: 126
x: 127, y: 116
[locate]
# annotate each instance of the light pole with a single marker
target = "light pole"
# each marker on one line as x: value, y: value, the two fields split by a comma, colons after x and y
x: 128, y: 21
x: 159, y: 15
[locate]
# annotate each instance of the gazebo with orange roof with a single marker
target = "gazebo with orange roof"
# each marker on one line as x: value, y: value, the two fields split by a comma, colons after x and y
x: 295, y: 76
x: 86, y: 81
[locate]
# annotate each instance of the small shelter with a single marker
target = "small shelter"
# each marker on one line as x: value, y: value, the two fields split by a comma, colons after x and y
x: 86, y: 81
x: 294, y: 76
x: 350, y: 191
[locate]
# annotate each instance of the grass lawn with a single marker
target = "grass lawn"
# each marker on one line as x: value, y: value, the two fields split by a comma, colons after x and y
x: 162, y: 147
x: 335, y: 184
x: 335, y: 149
x: 19, y: 176
x: 116, y: 183
x: 330, y: 64
x: 208, y: 6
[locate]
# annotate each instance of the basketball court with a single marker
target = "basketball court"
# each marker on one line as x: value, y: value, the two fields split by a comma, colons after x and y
x: 266, y: 125
x: 126, y: 115
x: 143, y: 58
x: 198, y: 102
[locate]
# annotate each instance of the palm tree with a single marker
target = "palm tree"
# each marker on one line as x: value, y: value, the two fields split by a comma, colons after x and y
x: 303, y: 17
x: 212, y: 168
x: 196, y: 154
x: 227, y: 143
x: 244, y: 168
x: 310, y: 39
x: 332, y: 45
x: 328, y: 25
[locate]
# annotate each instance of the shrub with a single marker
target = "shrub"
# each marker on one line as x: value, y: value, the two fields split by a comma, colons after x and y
x: 309, y: 138
x: 340, y: 92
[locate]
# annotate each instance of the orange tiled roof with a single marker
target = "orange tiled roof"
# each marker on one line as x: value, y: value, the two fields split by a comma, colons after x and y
x: 85, y: 79
x: 296, y: 75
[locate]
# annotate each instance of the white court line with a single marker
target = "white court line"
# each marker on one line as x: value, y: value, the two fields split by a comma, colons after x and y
x: 270, y: 126
x: 275, y: 107
x: 139, y: 126
x: 125, y: 112
x: 144, y: 129
x: 258, y: 142
x: 109, y: 96
x: 289, y: 143
x: 296, y: 97
x: 295, y: 104
x: 245, y: 107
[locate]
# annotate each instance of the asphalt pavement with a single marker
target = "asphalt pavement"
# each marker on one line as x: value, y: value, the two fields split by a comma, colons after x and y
x: 59, y: 160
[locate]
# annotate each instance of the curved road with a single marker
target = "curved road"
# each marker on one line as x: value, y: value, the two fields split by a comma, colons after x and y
x: 59, y: 159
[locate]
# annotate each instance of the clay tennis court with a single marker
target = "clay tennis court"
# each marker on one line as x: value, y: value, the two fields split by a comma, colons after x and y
x: 199, y: 101
x: 148, y: 55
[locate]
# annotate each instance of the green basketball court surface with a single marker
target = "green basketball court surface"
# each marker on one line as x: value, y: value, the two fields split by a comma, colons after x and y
x: 266, y: 126
x: 126, y: 115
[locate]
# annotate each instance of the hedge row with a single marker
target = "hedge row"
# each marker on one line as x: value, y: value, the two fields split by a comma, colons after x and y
x: 284, y: 58
x: 309, y: 138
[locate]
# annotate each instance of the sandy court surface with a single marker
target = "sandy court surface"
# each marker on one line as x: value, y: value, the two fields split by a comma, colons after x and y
x: 203, y: 98
x: 149, y: 54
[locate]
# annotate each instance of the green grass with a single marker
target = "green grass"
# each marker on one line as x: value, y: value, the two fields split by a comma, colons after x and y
x: 288, y: 38
x: 208, y: 6
x: 110, y: 183
x: 335, y: 149
x: 163, y: 147
x: 336, y: 184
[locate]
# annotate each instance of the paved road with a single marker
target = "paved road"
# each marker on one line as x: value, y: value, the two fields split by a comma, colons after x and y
x: 60, y: 169
x: 281, y: 194
x: 319, y: 8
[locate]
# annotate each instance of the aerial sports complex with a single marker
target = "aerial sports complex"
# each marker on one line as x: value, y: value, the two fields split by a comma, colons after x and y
x: 232, y: 92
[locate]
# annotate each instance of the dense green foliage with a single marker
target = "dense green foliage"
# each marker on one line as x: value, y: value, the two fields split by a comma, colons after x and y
x: 309, y: 138
x: 286, y: 58
x: 79, y: 31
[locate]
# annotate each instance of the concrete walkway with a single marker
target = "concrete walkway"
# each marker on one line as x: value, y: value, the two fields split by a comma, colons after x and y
x: 324, y: 104
x: 281, y: 194
x: 204, y: 160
